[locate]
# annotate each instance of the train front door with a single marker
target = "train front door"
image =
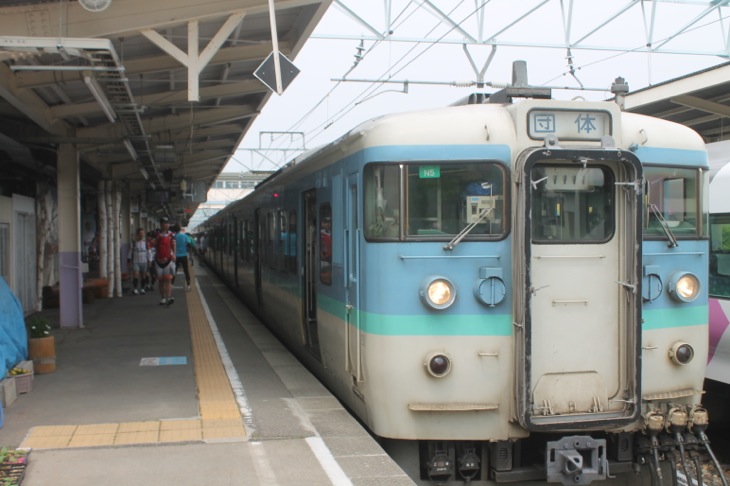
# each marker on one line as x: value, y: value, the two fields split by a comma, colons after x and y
x: 577, y: 239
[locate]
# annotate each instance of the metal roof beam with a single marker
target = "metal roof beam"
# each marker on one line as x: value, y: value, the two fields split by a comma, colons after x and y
x: 702, y: 104
x: 28, y: 103
x: 713, y: 6
x: 152, y: 64
x: 192, y: 60
x: 359, y: 19
x: 127, y: 20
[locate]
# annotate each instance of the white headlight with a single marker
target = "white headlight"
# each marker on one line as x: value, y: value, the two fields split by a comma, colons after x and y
x: 438, y: 292
x: 684, y: 286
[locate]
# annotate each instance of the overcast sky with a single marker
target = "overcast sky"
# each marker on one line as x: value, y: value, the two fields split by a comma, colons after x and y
x: 317, y: 109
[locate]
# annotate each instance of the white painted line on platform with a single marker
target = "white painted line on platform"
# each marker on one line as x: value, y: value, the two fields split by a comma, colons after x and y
x: 261, y: 463
x: 328, y: 461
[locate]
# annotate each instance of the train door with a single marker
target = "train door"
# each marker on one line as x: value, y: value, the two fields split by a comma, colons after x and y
x: 578, y: 251
x: 234, y: 244
x: 258, y: 221
x: 352, y: 280
x: 311, y: 336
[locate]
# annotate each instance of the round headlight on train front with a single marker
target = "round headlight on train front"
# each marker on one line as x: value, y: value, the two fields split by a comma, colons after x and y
x: 438, y: 365
x: 681, y: 353
x: 438, y: 292
x: 684, y: 286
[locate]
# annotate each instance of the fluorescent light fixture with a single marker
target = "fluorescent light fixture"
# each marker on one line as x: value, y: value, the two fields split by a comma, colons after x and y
x: 101, y: 98
x: 130, y: 148
x: 144, y: 173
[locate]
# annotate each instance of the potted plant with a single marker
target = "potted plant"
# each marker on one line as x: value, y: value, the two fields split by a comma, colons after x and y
x: 12, y: 466
x: 41, y: 344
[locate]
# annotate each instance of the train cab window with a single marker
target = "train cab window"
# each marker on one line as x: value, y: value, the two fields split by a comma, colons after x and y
x: 438, y: 200
x: 571, y: 204
x: 673, y: 203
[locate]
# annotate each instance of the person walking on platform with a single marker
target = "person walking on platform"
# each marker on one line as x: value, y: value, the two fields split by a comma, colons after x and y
x: 139, y: 255
x: 151, y: 267
x: 165, y: 261
x: 183, y: 241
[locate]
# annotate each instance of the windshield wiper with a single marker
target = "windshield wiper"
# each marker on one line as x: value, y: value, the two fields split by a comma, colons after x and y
x: 457, y: 239
x: 670, y: 236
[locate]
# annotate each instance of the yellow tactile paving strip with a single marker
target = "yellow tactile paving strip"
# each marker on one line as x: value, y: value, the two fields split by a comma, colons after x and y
x: 220, y: 418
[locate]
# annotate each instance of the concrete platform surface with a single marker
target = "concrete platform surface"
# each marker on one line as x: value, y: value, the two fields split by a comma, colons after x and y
x: 195, y: 393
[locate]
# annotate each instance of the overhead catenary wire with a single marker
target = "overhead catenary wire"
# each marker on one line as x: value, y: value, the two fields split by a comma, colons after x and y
x: 412, y: 56
x: 634, y: 50
x: 350, y: 105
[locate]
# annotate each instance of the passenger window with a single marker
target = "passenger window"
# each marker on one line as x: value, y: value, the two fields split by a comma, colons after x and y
x: 382, y: 201
x: 325, y: 244
x: 720, y: 255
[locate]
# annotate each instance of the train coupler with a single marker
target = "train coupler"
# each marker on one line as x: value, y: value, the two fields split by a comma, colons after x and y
x: 576, y: 460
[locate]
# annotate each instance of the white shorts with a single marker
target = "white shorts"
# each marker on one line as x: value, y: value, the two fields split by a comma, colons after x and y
x: 165, y: 272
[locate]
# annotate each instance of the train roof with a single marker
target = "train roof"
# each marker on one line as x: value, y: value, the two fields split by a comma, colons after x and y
x: 398, y: 128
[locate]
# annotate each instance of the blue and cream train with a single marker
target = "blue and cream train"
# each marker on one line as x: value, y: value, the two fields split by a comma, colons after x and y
x: 501, y: 291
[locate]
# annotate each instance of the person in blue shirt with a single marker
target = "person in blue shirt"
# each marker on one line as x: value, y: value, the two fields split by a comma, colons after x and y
x: 183, y: 241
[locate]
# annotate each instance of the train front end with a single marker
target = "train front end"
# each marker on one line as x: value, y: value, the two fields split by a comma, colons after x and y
x: 544, y: 314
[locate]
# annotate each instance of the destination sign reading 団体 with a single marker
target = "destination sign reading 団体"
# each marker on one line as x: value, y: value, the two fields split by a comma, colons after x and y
x: 569, y: 125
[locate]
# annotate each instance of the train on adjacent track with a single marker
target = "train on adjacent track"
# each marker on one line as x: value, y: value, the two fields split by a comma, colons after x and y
x: 509, y: 290
x: 717, y: 382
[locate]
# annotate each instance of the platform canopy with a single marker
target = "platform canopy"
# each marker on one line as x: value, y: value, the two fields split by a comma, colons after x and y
x: 698, y: 100
x: 158, y: 93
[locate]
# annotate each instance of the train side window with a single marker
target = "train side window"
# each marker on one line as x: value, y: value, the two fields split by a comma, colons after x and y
x: 382, y: 201
x: 325, y: 244
x: 283, y: 244
x: 290, y: 250
x: 269, y: 255
x: 241, y: 237
x: 720, y: 255
x: 672, y: 194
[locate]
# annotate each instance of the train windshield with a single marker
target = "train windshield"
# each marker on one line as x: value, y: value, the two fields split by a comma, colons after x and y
x: 434, y: 200
x: 572, y: 204
x: 672, y: 202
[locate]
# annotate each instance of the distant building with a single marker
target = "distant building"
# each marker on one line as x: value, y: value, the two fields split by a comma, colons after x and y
x: 227, y: 188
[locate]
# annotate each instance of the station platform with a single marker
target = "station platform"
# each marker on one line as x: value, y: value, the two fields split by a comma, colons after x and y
x: 199, y: 392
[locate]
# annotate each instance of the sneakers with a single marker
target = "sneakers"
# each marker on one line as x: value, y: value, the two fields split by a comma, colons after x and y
x: 135, y: 292
x: 163, y: 301
x: 188, y: 287
x: 141, y: 291
x: 170, y: 301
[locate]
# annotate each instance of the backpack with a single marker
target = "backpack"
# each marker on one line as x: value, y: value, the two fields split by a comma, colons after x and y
x: 164, y: 247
